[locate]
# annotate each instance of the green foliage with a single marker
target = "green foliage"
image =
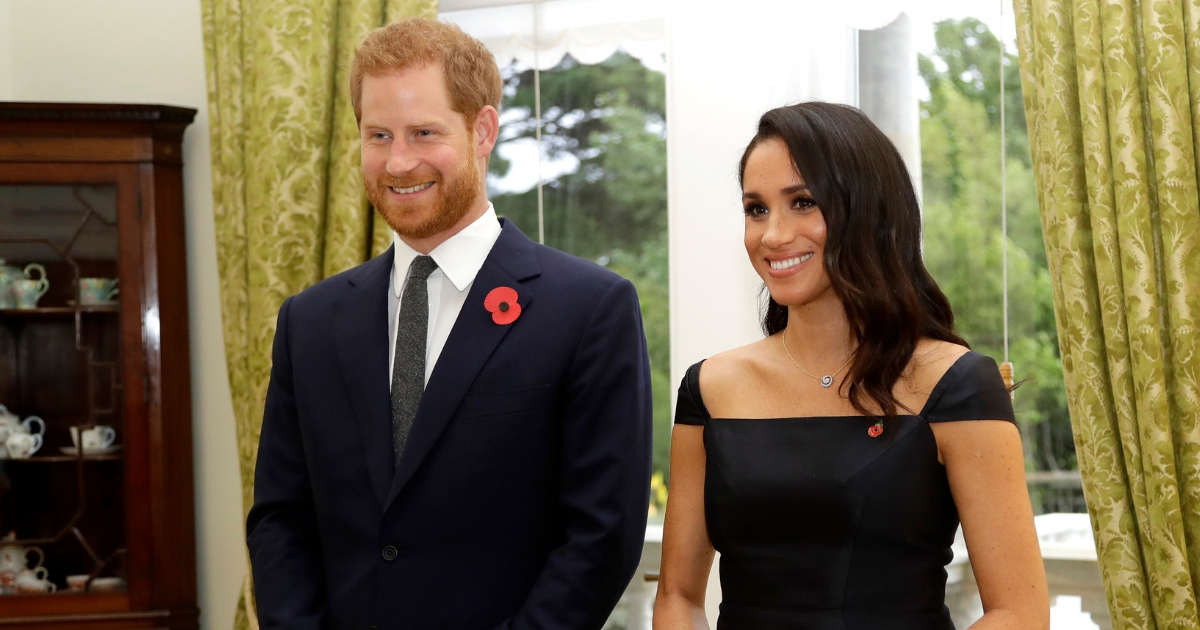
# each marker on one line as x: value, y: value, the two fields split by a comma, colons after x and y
x: 613, y: 207
x: 610, y: 117
x: 960, y: 147
x: 965, y: 56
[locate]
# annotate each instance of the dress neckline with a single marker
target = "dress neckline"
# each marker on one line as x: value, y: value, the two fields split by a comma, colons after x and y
x: 934, y: 396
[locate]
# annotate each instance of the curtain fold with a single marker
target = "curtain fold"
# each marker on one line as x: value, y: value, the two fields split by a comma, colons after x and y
x: 288, y: 200
x: 1112, y: 97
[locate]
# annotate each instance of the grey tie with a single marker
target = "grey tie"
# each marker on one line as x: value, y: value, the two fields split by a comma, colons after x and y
x: 408, y: 369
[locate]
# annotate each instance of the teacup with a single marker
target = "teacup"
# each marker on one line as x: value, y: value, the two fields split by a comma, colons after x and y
x: 77, y: 583
x: 93, y: 439
x: 34, y: 581
x: 97, y: 290
x: 10, y: 275
x: 22, y: 445
x: 28, y: 292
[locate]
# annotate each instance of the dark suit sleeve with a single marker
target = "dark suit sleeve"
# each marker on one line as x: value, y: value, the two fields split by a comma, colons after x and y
x: 605, y: 478
x: 281, y: 530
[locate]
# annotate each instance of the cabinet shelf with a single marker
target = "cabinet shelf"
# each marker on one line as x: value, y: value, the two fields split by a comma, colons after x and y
x: 53, y: 459
x: 32, y: 609
x: 57, y: 311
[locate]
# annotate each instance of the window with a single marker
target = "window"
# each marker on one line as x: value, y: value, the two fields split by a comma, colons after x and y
x: 581, y: 160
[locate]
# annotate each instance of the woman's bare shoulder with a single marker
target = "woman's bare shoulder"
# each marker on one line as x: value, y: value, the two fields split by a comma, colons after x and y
x: 724, y: 373
x: 930, y: 361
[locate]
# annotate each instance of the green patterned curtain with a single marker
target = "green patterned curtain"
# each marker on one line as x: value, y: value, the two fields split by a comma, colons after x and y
x: 288, y: 198
x: 1112, y: 95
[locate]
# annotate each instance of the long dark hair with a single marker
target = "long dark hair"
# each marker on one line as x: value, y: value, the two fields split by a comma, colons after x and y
x: 873, y: 242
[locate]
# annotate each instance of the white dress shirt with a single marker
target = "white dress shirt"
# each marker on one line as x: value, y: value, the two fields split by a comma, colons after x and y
x: 458, y: 260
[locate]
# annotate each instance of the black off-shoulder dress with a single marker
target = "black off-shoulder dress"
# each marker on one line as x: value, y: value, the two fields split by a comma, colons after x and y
x: 821, y: 526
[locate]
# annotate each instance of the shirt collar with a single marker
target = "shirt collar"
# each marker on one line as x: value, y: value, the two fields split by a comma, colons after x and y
x: 459, y: 257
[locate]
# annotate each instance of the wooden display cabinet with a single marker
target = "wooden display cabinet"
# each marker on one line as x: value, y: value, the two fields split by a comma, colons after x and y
x: 96, y: 192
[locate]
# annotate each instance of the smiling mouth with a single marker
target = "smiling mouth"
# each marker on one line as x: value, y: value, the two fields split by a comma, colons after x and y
x: 790, y: 262
x: 410, y: 190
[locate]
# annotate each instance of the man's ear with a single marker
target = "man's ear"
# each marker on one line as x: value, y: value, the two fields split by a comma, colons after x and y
x: 487, y: 130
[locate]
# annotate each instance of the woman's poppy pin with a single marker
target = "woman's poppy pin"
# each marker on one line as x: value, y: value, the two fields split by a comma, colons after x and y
x: 876, y: 429
x: 501, y: 302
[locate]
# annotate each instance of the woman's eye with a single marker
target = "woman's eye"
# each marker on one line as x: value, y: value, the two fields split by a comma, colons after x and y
x: 755, y: 210
x: 804, y: 203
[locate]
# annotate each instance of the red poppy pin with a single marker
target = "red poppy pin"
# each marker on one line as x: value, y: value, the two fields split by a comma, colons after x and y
x: 876, y: 429
x: 501, y: 302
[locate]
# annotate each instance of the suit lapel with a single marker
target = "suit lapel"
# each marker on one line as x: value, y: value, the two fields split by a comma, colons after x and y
x: 361, y: 331
x: 471, y: 341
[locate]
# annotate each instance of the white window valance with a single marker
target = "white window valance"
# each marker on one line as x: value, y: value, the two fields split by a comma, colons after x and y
x: 540, y: 34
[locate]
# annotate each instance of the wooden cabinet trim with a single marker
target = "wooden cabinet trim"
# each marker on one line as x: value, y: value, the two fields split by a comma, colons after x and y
x: 25, y: 149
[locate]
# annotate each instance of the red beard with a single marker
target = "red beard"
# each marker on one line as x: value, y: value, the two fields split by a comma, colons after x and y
x: 428, y: 217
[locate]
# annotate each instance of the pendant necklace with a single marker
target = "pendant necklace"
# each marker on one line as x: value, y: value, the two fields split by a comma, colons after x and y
x: 826, y: 380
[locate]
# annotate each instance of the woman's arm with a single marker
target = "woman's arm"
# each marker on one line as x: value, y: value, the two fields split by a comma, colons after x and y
x: 687, y: 553
x: 986, y: 469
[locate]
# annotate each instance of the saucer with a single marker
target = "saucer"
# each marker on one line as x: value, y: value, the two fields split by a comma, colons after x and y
x: 108, y: 584
x: 108, y: 450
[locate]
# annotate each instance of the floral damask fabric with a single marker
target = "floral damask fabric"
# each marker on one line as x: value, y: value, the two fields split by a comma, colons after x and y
x: 287, y: 188
x: 1112, y: 97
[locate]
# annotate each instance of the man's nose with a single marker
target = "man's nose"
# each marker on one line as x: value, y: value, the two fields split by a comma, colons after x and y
x: 401, y: 159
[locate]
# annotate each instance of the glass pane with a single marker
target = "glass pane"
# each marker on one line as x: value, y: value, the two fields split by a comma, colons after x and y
x: 963, y: 235
x: 962, y: 162
x: 61, y: 508
x: 604, y: 162
x: 513, y: 169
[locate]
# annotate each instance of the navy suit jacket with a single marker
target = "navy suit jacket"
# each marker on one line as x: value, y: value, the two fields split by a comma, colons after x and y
x: 520, y: 500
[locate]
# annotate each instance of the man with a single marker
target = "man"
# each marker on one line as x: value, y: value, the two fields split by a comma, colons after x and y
x: 456, y: 433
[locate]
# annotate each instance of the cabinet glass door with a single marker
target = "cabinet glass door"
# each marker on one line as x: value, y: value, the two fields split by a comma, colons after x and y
x: 62, y: 467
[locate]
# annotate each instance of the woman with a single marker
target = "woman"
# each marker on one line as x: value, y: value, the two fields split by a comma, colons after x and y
x: 831, y: 461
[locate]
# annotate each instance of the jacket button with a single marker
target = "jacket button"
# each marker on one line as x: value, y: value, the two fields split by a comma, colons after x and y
x: 390, y: 553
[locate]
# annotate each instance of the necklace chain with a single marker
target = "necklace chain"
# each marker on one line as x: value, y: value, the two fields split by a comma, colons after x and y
x: 826, y: 380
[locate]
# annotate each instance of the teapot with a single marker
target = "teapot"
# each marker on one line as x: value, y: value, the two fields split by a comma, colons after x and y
x: 15, y: 558
x: 10, y: 424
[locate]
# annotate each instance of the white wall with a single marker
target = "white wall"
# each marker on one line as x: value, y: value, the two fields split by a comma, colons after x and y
x: 151, y: 51
x: 5, y: 52
x: 725, y: 69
